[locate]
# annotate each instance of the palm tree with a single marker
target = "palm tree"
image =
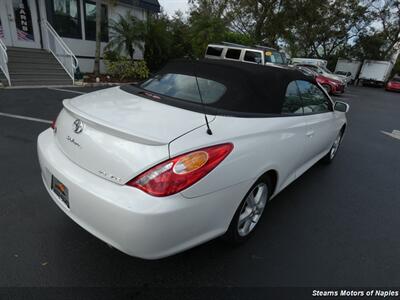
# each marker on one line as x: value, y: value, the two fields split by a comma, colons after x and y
x: 127, y: 32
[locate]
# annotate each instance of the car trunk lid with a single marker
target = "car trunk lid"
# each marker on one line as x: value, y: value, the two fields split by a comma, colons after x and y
x: 122, y: 134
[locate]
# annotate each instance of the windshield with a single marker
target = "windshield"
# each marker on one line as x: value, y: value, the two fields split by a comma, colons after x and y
x: 184, y: 87
x: 308, y: 71
x: 325, y: 70
x: 396, y: 79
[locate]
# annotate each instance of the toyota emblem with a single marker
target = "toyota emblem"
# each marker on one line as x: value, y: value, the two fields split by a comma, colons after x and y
x: 78, y: 126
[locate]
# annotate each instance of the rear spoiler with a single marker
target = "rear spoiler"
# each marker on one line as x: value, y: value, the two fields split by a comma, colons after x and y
x: 107, y: 127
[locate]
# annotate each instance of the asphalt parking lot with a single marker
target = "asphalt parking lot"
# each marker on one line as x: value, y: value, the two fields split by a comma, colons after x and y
x: 337, y: 225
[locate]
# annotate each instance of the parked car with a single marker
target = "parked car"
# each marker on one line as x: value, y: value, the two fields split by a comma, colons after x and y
x: 332, y: 86
x: 236, y: 52
x: 323, y: 71
x: 393, y: 84
x: 193, y: 153
x: 345, y: 75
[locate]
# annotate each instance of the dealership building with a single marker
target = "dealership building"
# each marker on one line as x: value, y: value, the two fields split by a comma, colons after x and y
x: 45, y: 40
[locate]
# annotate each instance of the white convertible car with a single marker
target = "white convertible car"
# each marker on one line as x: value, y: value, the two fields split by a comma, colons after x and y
x: 193, y: 153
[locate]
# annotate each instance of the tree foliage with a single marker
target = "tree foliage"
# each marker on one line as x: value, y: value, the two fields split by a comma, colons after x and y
x: 157, y: 41
x: 363, y: 29
x: 320, y: 28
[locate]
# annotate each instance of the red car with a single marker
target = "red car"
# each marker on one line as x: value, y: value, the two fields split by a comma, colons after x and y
x: 393, y: 84
x: 331, y: 85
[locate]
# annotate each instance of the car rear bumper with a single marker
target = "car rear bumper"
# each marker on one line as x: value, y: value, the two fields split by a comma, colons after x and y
x: 392, y: 89
x: 339, y: 89
x: 129, y: 219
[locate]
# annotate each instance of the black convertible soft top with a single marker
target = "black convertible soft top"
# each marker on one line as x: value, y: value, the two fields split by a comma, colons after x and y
x: 251, y: 90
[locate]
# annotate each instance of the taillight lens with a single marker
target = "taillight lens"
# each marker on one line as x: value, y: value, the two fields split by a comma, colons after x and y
x: 54, y: 123
x: 176, y: 174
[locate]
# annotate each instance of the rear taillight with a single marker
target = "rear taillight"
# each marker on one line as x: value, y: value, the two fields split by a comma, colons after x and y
x: 176, y: 174
x: 54, y: 123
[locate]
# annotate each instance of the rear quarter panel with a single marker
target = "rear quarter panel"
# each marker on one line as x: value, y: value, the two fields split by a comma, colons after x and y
x: 260, y: 144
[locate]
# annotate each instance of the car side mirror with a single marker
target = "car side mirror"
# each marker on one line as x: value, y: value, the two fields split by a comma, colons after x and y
x: 341, y: 106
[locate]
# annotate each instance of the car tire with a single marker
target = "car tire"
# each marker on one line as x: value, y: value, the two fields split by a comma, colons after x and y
x: 330, y: 156
x: 327, y: 88
x: 253, y: 205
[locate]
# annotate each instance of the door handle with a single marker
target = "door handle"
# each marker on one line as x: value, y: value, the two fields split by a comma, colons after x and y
x: 310, y: 133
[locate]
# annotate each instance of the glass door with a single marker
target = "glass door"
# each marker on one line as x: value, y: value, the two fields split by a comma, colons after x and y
x: 23, y: 23
x: 5, y: 34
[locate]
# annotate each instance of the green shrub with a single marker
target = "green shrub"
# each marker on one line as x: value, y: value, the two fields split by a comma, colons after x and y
x: 111, y: 55
x: 126, y: 68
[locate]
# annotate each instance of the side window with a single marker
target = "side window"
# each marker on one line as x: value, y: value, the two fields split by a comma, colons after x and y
x: 252, y: 56
x: 292, y: 105
x: 214, y: 51
x: 314, y: 99
x: 277, y: 57
x: 233, y: 53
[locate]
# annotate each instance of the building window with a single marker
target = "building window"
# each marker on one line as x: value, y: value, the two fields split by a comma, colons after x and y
x: 1, y: 30
x: 90, y: 21
x: 66, y: 18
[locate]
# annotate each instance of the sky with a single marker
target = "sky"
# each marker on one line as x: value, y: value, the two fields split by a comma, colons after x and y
x: 170, y: 6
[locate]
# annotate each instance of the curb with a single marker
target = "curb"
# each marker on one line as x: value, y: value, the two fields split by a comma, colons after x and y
x: 99, y: 84
x: 76, y: 85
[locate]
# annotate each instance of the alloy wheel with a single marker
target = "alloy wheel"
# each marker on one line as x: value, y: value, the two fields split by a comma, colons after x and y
x: 335, y: 146
x: 252, y: 209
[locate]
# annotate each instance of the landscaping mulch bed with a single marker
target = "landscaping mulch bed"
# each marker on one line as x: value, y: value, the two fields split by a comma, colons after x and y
x: 91, y: 78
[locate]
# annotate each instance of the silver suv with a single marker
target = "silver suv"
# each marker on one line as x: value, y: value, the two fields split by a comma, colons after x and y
x: 256, y: 55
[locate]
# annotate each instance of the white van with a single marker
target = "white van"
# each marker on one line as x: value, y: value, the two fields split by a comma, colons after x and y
x: 310, y: 61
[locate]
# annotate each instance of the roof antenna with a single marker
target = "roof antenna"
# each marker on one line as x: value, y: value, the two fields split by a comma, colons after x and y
x: 202, y: 104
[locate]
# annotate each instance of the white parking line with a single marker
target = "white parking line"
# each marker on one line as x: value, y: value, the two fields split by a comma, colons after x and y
x: 25, y: 118
x: 394, y: 134
x: 64, y: 90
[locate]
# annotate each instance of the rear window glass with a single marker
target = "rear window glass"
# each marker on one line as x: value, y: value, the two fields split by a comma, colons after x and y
x: 184, y: 87
x: 252, y: 56
x: 233, y: 53
x: 314, y: 68
x: 214, y: 51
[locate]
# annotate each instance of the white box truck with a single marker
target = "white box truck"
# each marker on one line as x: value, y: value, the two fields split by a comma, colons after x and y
x: 375, y: 72
x: 348, y: 65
